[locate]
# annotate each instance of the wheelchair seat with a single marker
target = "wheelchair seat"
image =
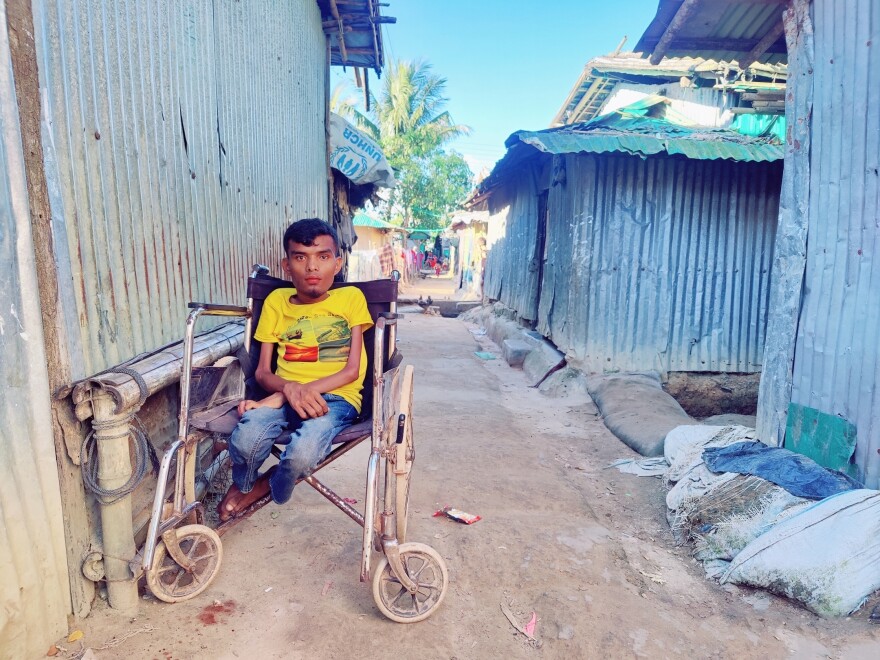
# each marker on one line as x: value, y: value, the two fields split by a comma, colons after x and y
x: 381, y: 296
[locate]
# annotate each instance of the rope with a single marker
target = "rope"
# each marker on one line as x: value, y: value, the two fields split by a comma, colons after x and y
x: 141, y: 383
x: 144, y: 454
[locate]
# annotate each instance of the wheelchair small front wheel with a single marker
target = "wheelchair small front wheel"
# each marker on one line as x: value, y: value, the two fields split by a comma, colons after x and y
x: 426, y: 567
x: 169, y: 581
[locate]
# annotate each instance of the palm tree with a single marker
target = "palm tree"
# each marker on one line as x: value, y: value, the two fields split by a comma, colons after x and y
x: 409, y: 106
x: 407, y: 118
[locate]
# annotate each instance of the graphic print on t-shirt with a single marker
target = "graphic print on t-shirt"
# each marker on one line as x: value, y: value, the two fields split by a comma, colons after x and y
x: 317, y: 339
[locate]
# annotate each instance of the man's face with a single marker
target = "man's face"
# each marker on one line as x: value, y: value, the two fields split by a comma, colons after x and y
x: 311, y: 268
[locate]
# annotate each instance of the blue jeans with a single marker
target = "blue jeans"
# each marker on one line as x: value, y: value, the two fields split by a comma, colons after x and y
x: 307, y: 444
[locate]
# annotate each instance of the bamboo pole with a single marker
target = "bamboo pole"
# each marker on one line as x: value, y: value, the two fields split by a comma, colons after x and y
x: 158, y: 370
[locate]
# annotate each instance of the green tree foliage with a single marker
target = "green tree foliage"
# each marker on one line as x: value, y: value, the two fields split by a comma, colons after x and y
x: 409, y: 120
x: 436, y: 189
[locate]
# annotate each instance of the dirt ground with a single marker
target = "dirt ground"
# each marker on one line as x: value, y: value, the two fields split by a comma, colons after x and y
x: 585, y: 548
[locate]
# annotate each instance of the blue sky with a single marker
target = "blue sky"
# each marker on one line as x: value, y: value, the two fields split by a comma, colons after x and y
x: 509, y: 63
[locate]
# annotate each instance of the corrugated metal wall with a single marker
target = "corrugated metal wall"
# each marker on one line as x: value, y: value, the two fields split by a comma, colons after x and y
x: 510, y: 274
x: 34, y: 591
x: 661, y: 263
x: 180, y: 139
x: 837, y: 355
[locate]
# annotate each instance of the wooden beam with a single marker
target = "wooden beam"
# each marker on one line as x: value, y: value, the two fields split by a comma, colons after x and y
x: 761, y: 47
x: 366, y: 89
x: 559, y: 119
x: 340, y: 38
x: 585, y: 99
x: 684, y: 11
x: 356, y: 21
x: 361, y: 51
x: 695, y: 45
x: 764, y: 96
x: 754, y: 111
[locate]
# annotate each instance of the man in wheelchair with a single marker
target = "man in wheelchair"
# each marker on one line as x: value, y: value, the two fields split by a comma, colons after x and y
x: 315, y: 390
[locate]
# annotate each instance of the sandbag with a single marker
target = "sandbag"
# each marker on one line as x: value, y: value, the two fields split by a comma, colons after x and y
x: 827, y: 556
x: 636, y: 409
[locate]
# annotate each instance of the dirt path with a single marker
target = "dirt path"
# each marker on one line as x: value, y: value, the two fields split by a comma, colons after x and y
x: 586, y: 548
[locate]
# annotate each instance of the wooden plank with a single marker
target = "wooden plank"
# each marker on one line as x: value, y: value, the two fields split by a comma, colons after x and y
x: 761, y: 47
x: 764, y: 96
x: 703, y: 44
x: 678, y: 21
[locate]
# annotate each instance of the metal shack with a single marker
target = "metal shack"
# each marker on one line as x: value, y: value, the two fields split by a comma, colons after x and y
x: 634, y: 242
x: 149, y: 154
x: 820, y: 386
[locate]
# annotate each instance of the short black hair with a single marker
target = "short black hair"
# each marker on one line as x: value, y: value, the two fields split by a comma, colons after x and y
x: 305, y: 232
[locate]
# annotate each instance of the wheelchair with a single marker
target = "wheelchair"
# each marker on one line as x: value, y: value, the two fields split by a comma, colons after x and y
x: 183, y: 549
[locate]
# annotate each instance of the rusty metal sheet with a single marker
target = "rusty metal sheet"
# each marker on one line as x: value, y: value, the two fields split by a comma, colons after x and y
x: 34, y: 588
x: 180, y: 139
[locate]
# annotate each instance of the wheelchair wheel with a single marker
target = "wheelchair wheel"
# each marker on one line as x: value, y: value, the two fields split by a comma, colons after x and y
x: 171, y: 582
x: 405, y: 457
x: 427, y: 568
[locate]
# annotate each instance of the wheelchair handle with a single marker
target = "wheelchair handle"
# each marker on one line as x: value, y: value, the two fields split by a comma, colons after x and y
x: 401, y: 425
x: 259, y: 270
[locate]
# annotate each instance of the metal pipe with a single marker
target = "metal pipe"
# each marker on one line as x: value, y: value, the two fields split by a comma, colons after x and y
x: 185, y: 380
x: 158, y: 502
x: 112, y: 432
x: 392, y: 331
x: 344, y: 506
x: 369, y: 514
x: 375, y: 450
x: 378, y: 381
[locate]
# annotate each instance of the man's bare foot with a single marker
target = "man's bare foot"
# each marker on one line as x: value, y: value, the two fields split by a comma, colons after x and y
x: 235, y: 502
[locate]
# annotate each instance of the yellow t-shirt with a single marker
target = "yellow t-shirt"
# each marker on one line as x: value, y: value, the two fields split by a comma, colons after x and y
x: 314, y: 340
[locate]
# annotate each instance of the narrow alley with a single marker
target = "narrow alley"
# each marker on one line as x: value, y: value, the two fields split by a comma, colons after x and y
x: 587, y: 549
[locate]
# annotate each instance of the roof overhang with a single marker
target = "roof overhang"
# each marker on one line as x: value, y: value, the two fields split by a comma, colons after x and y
x: 641, y: 129
x: 601, y: 75
x: 354, y: 29
x: 744, y: 31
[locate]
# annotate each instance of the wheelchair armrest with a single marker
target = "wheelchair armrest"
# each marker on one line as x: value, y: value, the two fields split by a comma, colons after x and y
x: 219, y: 310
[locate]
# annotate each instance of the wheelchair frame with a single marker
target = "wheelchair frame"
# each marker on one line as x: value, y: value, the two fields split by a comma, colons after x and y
x: 191, y: 553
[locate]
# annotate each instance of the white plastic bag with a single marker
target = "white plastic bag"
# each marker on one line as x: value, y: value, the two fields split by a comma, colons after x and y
x: 827, y: 556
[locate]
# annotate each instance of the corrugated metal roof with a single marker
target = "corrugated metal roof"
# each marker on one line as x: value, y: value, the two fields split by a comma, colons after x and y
x: 602, y: 75
x: 718, y: 29
x: 361, y: 219
x: 631, y: 130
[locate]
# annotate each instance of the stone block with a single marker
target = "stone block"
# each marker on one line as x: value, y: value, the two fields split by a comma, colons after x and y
x: 543, y: 360
x: 515, y: 351
x: 466, y: 306
x: 570, y: 384
x: 533, y: 337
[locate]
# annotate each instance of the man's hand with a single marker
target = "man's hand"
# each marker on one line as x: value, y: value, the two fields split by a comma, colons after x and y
x: 246, y: 405
x: 305, y: 400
